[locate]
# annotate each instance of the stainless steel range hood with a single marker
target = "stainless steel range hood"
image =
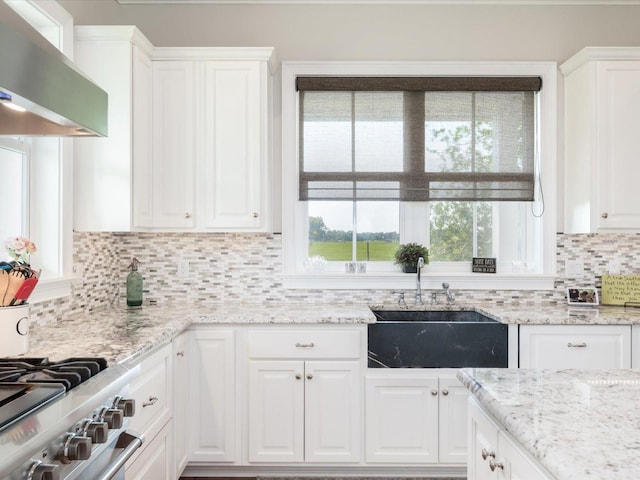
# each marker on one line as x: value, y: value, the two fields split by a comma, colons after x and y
x: 59, y: 99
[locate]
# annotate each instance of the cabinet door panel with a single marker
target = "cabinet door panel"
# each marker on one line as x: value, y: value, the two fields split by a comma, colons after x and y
x: 402, y: 420
x: 276, y: 411
x: 452, y: 430
x: 181, y: 401
x: 483, y: 446
x: 213, y: 411
x: 575, y: 346
x: 173, y: 144
x: 618, y: 166
x: 332, y: 412
x: 234, y: 148
x: 142, y: 141
x: 517, y: 465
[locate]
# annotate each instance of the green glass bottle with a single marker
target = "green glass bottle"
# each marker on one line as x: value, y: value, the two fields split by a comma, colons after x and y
x: 134, y: 285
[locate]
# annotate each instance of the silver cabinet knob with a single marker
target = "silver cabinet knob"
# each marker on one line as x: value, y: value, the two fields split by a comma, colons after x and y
x: 493, y: 465
x: 298, y: 376
x: 605, y: 215
x: 434, y: 392
x: 179, y: 354
x: 187, y: 215
x: 255, y: 215
x: 487, y: 453
x: 445, y: 392
x: 309, y: 376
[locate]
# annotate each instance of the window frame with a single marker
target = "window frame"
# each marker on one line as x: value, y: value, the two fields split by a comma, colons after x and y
x: 293, y: 211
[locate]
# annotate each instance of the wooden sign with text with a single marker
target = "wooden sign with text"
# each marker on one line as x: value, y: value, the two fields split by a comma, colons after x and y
x: 483, y: 265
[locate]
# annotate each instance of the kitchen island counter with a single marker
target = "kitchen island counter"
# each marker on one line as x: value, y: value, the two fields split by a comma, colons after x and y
x: 578, y: 424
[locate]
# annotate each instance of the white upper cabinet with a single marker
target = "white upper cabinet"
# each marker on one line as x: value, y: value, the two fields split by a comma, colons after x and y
x: 117, y: 59
x: 235, y: 159
x: 189, y: 143
x: 172, y: 193
x: 212, y: 149
x: 602, y: 113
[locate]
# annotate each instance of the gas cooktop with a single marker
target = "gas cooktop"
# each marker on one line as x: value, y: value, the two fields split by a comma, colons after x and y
x: 26, y: 384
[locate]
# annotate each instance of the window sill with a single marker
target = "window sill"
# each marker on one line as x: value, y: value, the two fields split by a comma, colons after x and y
x: 407, y: 281
x: 51, y: 289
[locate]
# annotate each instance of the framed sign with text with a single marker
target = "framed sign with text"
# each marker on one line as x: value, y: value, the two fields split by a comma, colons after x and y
x: 483, y: 265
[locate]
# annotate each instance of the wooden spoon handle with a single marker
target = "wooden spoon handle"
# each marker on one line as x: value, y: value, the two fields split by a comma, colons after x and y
x: 15, y: 280
x: 4, y: 283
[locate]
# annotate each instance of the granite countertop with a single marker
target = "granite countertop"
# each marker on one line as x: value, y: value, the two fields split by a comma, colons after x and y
x: 535, y: 314
x: 119, y: 334
x: 578, y: 424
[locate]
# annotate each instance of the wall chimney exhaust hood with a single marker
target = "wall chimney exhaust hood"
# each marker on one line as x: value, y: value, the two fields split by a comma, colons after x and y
x: 57, y: 98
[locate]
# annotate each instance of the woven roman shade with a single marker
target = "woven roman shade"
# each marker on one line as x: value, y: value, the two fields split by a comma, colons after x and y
x: 417, y: 138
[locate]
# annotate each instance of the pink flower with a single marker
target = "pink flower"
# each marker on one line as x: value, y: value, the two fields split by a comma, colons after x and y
x: 19, y: 248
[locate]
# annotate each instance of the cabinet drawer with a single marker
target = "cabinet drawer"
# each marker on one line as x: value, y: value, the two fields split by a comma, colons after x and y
x: 304, y: 343
x: 575, y: 346
x: 152, y: 393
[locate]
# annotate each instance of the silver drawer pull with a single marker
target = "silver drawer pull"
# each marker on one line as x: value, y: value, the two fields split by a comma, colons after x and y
x: 151, y: 401
x: 577, y: 345
x: 304, y: 345
x: 493, y: 465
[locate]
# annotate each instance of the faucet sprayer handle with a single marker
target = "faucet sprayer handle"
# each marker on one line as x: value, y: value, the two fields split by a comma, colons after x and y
x: 400, y: 293
x: 420, y: 262
x: 445, y: 285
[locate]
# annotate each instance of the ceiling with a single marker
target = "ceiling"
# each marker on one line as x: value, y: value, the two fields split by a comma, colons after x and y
x: 391, y: 2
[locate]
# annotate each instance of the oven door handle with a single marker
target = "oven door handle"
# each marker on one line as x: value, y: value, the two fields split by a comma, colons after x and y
x: 130, y: 442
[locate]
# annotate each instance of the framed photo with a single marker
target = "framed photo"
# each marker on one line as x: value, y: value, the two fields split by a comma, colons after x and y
x: 582, y: 296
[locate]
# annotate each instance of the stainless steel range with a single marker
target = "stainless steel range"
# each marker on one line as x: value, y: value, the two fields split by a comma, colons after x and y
x: 64, y: 420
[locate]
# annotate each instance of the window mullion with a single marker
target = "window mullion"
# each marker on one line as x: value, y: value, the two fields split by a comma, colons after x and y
x: 354, y: 230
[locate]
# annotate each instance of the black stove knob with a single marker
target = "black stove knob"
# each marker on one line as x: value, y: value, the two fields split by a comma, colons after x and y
x: 43, y: 471
x: 114, y: 417
x: 97, y: 431
x: 127, y: 405
x: 76, y: 447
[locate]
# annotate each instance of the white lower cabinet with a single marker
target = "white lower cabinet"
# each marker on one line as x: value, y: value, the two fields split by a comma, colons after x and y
x: 152, y: 391
x: 304, y: 395
x: 181, y: 356
x: 494, y: 454
x: 415, y: 417
x: 212, y: 406
x: 575, y: 346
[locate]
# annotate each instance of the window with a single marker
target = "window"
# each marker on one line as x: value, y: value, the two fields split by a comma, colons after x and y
x: 444, y: 162
x: 14, y: 196
x: 36, y: 199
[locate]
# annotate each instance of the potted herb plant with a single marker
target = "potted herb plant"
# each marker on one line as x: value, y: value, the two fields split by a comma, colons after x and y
x: 407, y: 256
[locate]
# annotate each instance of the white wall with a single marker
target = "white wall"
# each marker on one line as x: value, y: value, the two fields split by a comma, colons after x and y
x: 377, y: 32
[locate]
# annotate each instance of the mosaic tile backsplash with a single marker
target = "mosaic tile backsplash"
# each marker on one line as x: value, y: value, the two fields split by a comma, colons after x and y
x: 246, y: 268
